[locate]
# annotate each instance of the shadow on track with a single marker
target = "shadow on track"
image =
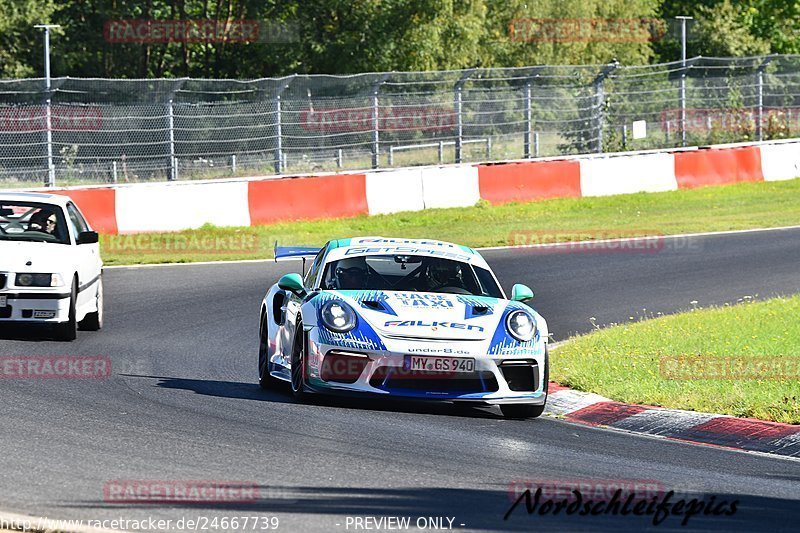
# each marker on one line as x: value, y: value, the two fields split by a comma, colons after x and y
x: 478, y: 509
x: 27, y: 332
x: 251, y: 391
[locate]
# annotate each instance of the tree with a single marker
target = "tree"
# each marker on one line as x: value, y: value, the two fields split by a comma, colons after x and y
x: 20, y: 43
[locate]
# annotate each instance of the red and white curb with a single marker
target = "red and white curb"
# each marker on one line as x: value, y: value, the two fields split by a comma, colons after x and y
x: 701, y: 428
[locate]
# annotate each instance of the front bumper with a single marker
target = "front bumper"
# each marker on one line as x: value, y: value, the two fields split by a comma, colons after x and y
x: 333, y: 369
x: 34, y: 306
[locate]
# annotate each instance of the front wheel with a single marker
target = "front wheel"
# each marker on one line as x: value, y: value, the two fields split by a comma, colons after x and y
x: 68, y: 331
x: 94, y: 321
x: 265, y: 380
x: 299, y: 361
x: 522, y: 411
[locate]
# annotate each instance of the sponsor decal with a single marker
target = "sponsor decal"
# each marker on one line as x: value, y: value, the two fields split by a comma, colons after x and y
x: 432, y: 301
x: 406, y: 250
x: 433, y: 324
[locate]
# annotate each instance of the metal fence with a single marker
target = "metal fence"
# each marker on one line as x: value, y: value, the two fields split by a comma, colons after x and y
x: 119, y: 130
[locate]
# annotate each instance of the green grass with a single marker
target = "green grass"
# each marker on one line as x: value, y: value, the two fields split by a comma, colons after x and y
x: 638, y: 362
x: 740, y: 206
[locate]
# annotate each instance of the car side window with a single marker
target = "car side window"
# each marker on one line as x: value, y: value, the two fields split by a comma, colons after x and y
x: 78, y: 222
x: 311, y: 275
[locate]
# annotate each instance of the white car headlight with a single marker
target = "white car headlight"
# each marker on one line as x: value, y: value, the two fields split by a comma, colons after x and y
x: 521, y: 325
x: 338, y: 316
x: 39, y: 280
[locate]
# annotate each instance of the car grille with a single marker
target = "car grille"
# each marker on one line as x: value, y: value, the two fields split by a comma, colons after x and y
x: 392, y: 378
x: 521, y: 378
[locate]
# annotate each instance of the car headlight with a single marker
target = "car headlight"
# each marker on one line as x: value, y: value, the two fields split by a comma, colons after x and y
x: 338, y: 316
x: 521, y: 325
x: 39, y: 280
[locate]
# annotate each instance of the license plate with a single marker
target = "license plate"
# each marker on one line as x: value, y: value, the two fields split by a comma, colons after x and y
x: 3, y: 301
x: 438, y: 364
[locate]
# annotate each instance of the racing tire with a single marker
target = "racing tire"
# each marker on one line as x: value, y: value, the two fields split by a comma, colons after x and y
x: 299, y: 362
x: 265, y: 380
x: 94, y: 321
x: 522, y: 411
x: 68, y: 331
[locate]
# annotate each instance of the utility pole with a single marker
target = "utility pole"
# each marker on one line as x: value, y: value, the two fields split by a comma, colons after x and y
x: 683, y: 20
x: 51, y: 170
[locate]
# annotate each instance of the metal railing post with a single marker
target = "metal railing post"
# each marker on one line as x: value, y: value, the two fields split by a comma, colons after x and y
x: 279, y: 155
x: 760, y: 75
x: 278, y: 134
x: 536, y: 144
x: 173, y: 166
x: 528, y: 124
x: 457, y: 103
x: 599, y: 98
x: 376, y: 141
x: 441, y: 152
x: 173, y: 160
x: 683, y: 20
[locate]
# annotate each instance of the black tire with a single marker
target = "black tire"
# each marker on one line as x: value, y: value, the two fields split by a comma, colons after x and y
x: 265, y: 380
x: 522, y: 411
x: 94, y: 321
x: 68, y: 331
x: 299, y: 360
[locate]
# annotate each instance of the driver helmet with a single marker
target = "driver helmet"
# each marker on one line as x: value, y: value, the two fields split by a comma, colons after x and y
x: 351, y: 273
x: 443, y: 272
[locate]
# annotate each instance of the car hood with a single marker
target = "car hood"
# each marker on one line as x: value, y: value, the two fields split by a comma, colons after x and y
x: 427, y: 316
x: 15, y: 256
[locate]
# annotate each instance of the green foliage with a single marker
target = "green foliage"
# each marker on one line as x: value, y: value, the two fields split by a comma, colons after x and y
x: 349, y: 36
x: 21, y: 52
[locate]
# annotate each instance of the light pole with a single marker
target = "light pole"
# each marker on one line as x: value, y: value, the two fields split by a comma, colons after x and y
x: 683, y: 77
x: 51, y: 170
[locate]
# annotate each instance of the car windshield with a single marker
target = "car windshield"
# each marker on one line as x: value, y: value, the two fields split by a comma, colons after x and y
x: 411, y: 273
x: 32, y: 221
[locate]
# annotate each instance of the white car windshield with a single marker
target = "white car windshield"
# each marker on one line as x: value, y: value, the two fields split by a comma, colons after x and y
x: 411, y: 273
x: 32, y: 221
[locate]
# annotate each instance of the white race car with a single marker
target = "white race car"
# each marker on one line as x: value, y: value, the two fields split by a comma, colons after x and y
x: 404, y: 318
x: 50, y: 266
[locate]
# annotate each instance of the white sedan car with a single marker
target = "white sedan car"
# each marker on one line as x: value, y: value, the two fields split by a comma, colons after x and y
x: 50, y: 266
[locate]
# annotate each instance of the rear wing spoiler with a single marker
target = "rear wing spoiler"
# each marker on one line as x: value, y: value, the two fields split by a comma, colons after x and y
x: 286, y: 253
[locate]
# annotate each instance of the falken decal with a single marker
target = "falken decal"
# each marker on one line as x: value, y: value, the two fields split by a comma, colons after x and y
x: 432, y: 324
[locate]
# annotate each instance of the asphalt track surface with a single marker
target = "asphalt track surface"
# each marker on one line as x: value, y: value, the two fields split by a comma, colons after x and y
x: 183, y: 404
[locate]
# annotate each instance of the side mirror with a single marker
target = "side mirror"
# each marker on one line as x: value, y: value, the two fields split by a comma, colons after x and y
x: 88, y: 237
x: 292, y: 283
x: 520, y: 292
